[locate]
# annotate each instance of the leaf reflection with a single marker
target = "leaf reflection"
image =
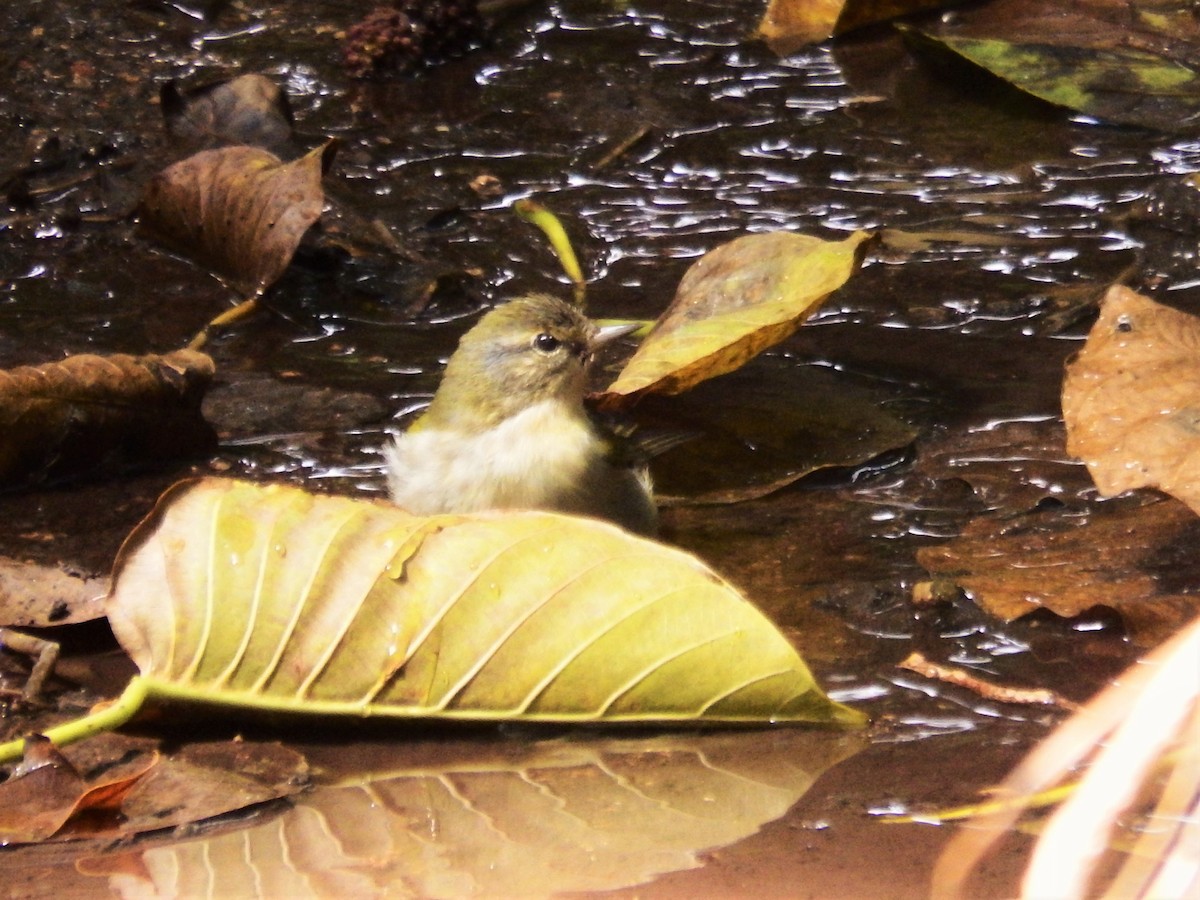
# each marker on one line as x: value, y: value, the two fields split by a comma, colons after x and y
x: 494, y: 820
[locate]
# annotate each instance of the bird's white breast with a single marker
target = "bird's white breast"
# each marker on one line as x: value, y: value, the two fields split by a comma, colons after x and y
x: 538, y: 458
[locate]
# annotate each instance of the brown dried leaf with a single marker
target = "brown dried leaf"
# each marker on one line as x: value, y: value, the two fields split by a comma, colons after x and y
x: 208, y: 779
x: 1139, y: 562
x: 91, y: 412
x: 114, y: 788
x: 1131, y: 398
x: 47, y: 794
x: 37, y: 595
x: 239, y: 211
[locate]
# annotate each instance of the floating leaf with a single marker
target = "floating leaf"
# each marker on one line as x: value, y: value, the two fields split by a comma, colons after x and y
x: 249, y: 109
x: 1131, y: 398
x: 91, y: 412
x: 732, y: 304
x: 788, y: 25
x: 239, y: 211
x: 271, y: 598
x: 485, y: 820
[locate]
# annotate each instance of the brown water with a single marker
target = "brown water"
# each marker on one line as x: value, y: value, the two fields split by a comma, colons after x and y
x: 965, y: 336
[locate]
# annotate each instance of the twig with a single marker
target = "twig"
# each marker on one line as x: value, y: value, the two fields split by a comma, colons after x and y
x: 998, y: 692
x: 621, y: 149
x: 46, y: 653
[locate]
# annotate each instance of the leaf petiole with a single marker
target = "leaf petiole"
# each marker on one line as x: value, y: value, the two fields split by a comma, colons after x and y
x: 112, y: 716
x: 536, y: 214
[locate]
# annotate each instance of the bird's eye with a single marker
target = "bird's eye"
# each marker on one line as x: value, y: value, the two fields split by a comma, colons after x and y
x: 547, y: 343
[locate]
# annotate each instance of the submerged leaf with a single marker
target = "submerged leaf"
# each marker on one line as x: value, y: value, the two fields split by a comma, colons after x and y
x: 1131, y: 398
x: 91, y: 412
x: 239, y: 211
x: 47, y: 792
x: 1138, y: 562
x: 768, y: 425
x: 1132, y: 63
x: 733, y: 303
x: 273, y: 598
x: 249, y: 109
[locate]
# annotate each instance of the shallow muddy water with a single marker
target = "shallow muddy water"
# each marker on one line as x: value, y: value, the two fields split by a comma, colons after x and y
x: 964, y: 335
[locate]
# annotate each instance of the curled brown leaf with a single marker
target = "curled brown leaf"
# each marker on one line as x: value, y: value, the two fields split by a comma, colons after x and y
x: 239, y: 211
x: 89, y: 412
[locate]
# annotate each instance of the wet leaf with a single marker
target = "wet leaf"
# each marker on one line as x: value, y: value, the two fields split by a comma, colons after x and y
x: 334, y: 605
x: 206, y: 779
x: 127, y: 788
x: 1132, y: 63
x: 38, y: 595
x: 1012, y: 466
x: 46, y: 792
x: 733, y: 303
x: 760, y: 429
x: 37, y: 801
x: 90, y: 413
x: 273, y: 599
x: 1139, y: 562
x: 239, y: 211
x: 1130, y: 398
x: 788, y: 25
x: 486, y: 821
x: 249, y: 109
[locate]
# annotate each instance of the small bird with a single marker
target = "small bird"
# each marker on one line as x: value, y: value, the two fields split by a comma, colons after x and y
x: 508, y: 429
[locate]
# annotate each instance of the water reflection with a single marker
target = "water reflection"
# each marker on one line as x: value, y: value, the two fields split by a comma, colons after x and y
x: 464, y: 819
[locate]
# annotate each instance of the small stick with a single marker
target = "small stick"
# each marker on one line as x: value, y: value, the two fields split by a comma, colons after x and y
x: 46, y: 653
x: 998, y: 692
x: 621, y: 149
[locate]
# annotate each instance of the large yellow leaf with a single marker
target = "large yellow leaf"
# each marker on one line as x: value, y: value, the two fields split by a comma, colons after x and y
x: 274, y: 598
x: 732, y: 304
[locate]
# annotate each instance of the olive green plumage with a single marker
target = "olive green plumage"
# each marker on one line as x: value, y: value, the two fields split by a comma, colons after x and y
x: 507, y: 428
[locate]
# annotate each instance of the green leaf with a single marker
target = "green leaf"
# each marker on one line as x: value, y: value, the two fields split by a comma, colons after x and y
x: 732, y: 304
x: 273, y: 598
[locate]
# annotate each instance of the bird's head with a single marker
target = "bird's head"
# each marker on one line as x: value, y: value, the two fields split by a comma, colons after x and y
x: 528, y: 350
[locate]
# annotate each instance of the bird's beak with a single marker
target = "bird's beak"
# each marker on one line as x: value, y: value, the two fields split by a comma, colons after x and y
x: 606, y: 334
